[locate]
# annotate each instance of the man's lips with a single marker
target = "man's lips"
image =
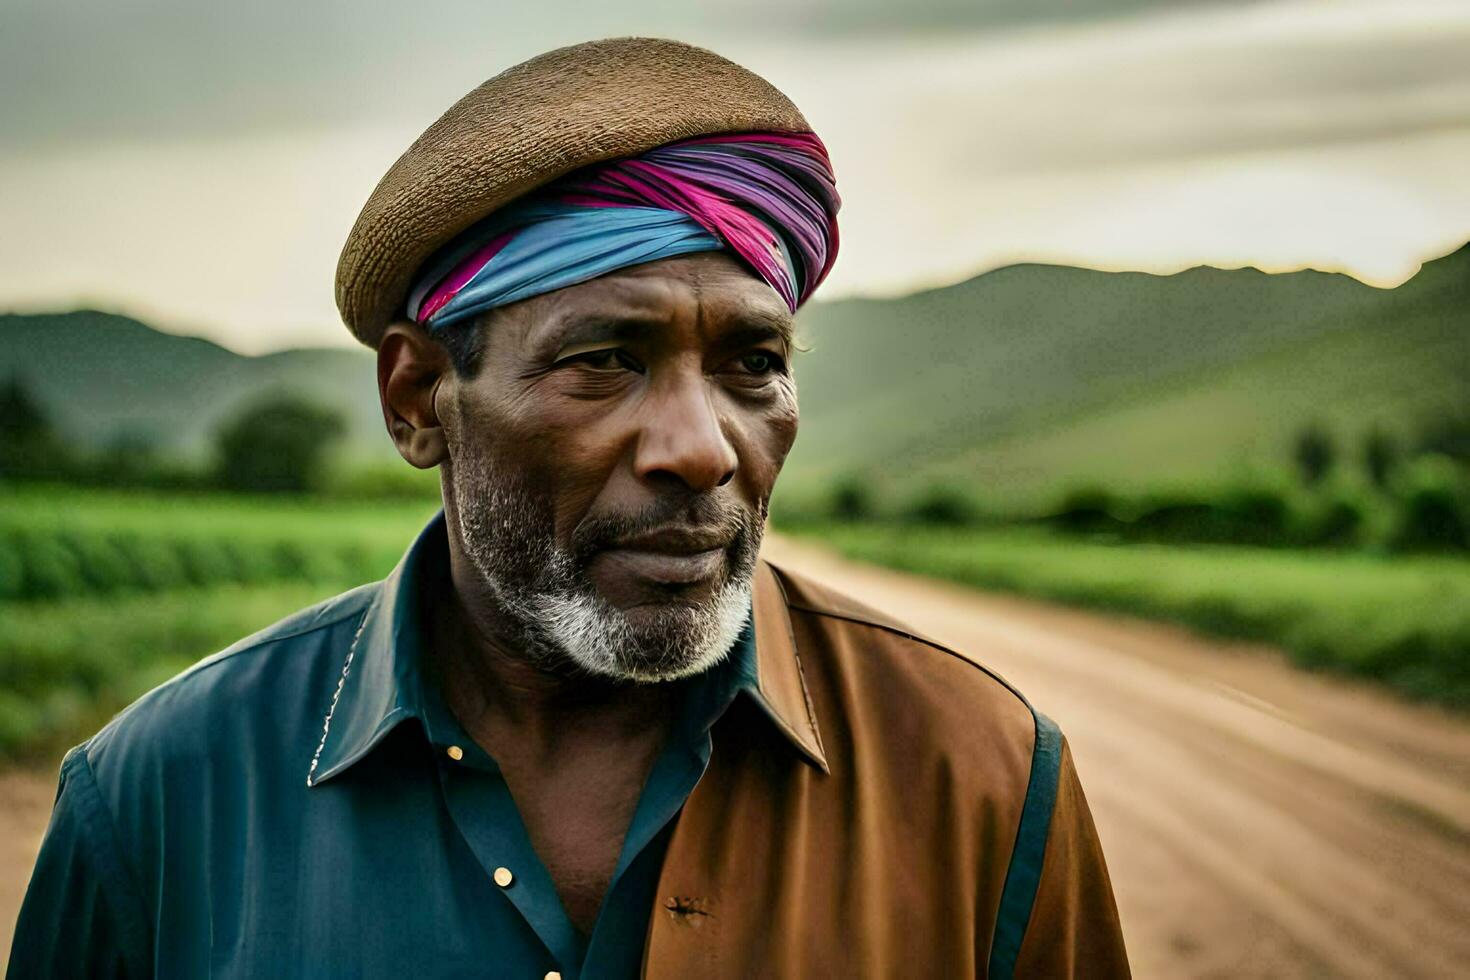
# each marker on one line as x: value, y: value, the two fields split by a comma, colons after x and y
x: 675, y: 556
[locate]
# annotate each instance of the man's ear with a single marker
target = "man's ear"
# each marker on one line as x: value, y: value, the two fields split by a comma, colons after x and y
x: 410, y: 367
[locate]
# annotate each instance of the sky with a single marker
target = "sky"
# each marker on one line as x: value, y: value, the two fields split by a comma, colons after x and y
x: 199, y: 165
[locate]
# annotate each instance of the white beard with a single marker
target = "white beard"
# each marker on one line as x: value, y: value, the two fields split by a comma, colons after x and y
x: 561, y: 618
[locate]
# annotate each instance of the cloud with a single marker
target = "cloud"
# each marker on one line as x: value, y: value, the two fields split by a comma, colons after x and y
x: 1289, y: 135
x: 168, y: 68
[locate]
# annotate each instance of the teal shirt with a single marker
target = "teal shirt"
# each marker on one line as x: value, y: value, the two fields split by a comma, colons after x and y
x: 291, y: 807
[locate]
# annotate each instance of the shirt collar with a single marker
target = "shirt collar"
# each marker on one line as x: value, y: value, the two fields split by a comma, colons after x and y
x: 381, y: 684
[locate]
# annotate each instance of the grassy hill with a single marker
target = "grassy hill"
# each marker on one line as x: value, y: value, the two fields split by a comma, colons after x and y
x: 1011, y: 383
x: 1033, y: 375
x: 102, y: 376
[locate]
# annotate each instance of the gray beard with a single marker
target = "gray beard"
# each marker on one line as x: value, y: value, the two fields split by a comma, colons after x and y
x: 562, y: 621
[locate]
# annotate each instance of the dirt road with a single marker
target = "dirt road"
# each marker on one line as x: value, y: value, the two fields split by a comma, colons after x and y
x: 1258, y: 821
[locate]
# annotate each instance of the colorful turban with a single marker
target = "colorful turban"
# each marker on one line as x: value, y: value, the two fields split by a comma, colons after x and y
x: 769, y: 197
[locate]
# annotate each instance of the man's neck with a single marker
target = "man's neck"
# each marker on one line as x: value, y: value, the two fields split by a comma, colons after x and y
x: 498, y: 692
x: 575, y: 751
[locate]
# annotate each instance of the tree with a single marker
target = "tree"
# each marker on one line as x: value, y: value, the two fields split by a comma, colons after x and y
x: 1314, y: 453
x: 1448, y: 435
x: 943, y: 504
x: 1380, y: 457
x: 279, y: 443
x: 130, y: 456
x: 851, y: 500
x: 29, y: 444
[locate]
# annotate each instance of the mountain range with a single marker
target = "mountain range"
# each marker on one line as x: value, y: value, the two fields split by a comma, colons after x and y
x: 1008, y: 383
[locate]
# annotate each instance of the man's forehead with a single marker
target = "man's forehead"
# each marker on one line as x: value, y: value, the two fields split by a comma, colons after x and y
x: 724, y: 297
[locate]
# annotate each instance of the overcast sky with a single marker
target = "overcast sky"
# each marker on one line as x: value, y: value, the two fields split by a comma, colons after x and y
x: 199, y: 164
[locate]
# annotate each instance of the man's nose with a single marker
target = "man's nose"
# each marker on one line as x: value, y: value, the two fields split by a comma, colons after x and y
x: 683, y: 437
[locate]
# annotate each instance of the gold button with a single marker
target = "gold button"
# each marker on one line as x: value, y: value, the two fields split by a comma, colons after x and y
x: 456, y: 753
x: 553, y: 975
x: 503, y: 877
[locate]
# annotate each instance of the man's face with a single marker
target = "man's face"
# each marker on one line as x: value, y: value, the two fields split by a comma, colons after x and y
x: 611, y: 462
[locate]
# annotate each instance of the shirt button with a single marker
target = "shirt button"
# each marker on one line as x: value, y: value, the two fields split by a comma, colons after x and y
x: 503, y: 877
x: 455, y: 752
x: 553, y: 975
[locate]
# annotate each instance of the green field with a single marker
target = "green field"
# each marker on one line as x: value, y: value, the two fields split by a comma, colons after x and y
x: 191, y: 574
x: 1402, y: 621
x: 110, y: 593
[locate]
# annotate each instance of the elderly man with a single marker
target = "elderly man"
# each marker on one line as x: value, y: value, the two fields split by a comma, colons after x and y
x: 582, y: 729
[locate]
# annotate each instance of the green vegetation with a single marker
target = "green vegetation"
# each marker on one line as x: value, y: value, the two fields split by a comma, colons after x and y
x: 105, y: 593
x: 1032, y: 377
x: 1019, y: 381
x: 1279, y: 457
x: 59, y: 542
x: 1402, y: 621
x: 278, y: 443
x: 102, y: 377
x: 66, y: 666
x: 1410, y: 499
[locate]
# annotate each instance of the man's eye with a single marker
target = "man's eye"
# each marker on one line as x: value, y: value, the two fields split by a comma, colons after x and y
x: 761, y: 362
x: 607, y: 359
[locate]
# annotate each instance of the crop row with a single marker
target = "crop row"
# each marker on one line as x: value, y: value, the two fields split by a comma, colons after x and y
x: 46, y: 564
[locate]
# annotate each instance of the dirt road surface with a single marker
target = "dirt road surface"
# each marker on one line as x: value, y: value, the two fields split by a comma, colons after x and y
x: 1258, y: 821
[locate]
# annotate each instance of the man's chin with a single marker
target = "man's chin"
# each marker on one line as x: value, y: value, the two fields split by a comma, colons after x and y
x: 664, y: 641
x: 660, y: 639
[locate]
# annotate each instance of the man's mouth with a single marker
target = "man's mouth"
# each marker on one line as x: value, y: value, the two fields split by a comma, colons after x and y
x: 671, y: 556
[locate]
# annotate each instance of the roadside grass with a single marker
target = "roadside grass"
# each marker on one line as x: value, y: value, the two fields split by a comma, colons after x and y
x: 106, y: 593
x: 61, y: 542
x: 67, y: 666
x: 1402, y: 621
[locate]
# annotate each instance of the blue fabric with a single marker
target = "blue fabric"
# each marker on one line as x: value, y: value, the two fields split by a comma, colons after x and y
x: 560, y: 245
x: 1023, y: 875
x: 186, y: 841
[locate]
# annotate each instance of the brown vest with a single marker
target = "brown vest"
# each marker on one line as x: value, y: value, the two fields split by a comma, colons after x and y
x: 875, y: 830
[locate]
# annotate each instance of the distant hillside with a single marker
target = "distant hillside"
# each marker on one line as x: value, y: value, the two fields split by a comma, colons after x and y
x: 102, y: 375
x: 1034, y: 374
x: 1011, y: 382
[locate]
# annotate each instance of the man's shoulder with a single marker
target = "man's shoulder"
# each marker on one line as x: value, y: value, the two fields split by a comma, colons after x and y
x: 266, y: 680
x: 882, y: 671
x: 891, y: 640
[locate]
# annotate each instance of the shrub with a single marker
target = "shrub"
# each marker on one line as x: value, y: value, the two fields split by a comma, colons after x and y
x: 103, y: 565
x: 156, y: 564
x: 944, y: 505
x: 1432, y: 510
x: 1176, y: 520
x: 50, y: 570
x: 1314, y: 453
x: 851, y: 499
x: 1337, y: 520
x: 1085, y: 510
x: 280, y: 443
x: 1380, y: 457
x: 1253, y: 515
x: 12, y: 568
x: 206, y: 562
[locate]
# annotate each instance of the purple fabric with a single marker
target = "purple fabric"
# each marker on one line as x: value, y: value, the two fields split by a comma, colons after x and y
x: 769, y: 197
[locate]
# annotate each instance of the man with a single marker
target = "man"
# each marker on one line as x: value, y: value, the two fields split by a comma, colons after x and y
x: 582, y: 729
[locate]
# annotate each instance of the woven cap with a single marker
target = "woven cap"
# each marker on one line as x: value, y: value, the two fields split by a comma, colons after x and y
x: 528, y: 125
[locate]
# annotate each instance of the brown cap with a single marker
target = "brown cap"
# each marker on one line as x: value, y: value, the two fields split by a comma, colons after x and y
x: 528, y: 125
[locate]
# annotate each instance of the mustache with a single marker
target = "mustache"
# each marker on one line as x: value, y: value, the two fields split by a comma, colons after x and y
x: 704, y: 513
